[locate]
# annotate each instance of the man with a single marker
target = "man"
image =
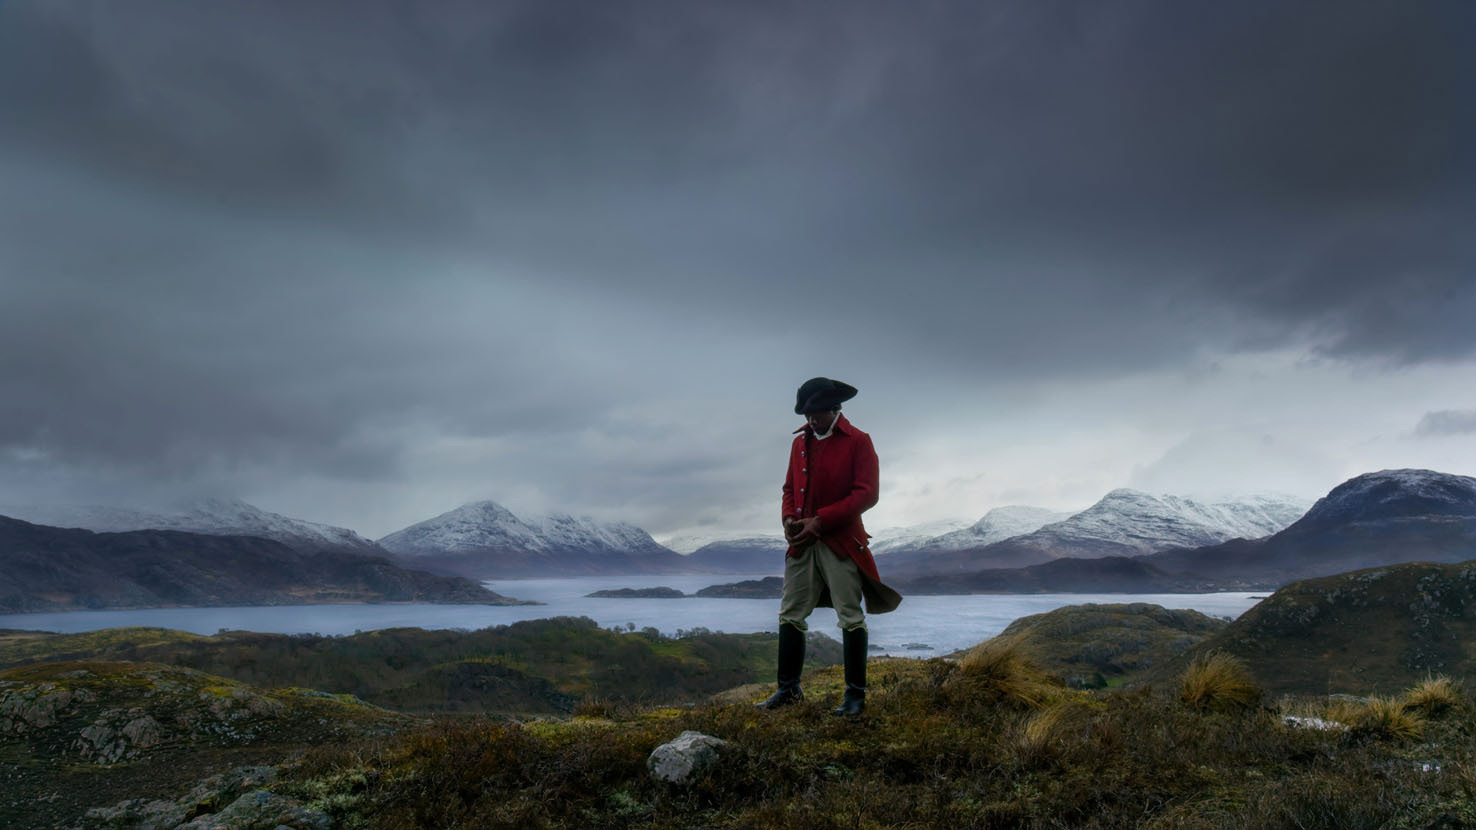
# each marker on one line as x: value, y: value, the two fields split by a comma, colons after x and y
x: 832, y: 480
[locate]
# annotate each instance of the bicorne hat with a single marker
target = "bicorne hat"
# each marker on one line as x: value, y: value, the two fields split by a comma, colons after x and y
x: 821, y: 394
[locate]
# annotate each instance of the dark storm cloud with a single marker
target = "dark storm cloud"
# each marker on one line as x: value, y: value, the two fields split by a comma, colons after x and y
x: 1446, y: 423
x: 292, y: 234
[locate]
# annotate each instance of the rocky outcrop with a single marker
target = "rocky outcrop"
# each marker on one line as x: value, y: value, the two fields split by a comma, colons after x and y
x: 232, y: 801
x: 106, y: 713
x: 689, y: 755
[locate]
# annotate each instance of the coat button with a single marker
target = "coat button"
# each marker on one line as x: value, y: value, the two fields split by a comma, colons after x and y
x: 804, y: 469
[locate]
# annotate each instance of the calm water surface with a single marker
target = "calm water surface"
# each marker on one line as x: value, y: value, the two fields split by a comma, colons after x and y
x: 944, y: 623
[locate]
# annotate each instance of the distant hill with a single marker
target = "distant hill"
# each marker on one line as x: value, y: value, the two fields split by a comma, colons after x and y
x: 1380, y: 518
x: 1378, y: 630
x: 55, y: 569
x: 484, y: 540
x: 1108, y: 574
x: 752, y: 555
x: 1094, y: 645
x: 1124, y: 523
x: 216, y: 517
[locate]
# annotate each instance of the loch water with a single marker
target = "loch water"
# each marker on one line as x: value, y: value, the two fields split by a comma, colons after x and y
x: 923, y: 626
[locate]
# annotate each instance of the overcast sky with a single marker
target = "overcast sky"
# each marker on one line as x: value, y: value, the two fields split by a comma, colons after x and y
x: 361, y: 262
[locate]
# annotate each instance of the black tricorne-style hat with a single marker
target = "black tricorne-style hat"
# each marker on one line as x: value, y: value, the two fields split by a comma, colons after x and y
x: 821, y: 395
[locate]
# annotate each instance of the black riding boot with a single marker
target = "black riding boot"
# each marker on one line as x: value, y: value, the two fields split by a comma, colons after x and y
x: 854, y: 646
x: 791, y: 663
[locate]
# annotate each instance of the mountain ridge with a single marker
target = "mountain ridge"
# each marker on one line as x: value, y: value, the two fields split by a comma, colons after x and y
x: 1124, y: 522
x: 46, y: 568
x: 211, y: 516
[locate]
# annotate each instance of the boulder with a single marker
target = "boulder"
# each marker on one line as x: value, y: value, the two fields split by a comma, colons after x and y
x: 677, y: 761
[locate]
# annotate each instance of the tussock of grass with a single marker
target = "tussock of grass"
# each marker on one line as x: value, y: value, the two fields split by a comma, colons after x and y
x: 1385, y: 718
x: 1434, y: 695
x: 1218, y: 682
x: 1051, y: 733
x: 997, y: 672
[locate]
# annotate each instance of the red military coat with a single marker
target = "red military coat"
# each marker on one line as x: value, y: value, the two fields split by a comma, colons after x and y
x: 835, y: 479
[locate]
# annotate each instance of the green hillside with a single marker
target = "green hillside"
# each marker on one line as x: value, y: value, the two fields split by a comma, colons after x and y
x: 1094, y: 645
x: 532, y: 667
x: 1372, y: 631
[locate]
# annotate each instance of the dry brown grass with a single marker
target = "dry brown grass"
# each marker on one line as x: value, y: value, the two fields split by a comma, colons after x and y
x: 1387, y: 718
x: 1218, y: 682
x: 1050, y: 732
x: 999, y: 672
x: 1434, y: 695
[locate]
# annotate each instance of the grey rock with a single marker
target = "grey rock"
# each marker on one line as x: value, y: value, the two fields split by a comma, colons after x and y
x: 137, y: 814
x: 206, y: 798
x: 38, y: 707
x: 679, y: 760
x: 142, y: 731
x: 261, y: 810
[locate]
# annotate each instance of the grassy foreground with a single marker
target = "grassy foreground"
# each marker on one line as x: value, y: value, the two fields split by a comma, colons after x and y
x: 987, y: 741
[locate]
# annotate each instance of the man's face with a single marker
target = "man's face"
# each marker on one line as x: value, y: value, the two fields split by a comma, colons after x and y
x: 821, y: 421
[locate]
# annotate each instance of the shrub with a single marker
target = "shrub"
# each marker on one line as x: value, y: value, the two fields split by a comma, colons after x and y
x: 1218, y: 682
x: 1433, y: 695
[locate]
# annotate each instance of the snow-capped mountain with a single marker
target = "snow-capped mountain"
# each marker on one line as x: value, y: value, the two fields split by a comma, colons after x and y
x: 480, y: 525
x: 910, y: 537
x: 1391, y: 495
x: 1124, y: 523
x: 215, y: 517
x: 997, y: 525
x: 749, y: 555
x: 1375, y: 519
x: 485, y: 540
x: 690, y: 542
x: 1130, y: 522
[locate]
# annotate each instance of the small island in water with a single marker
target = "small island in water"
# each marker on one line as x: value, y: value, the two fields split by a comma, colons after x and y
x: 770, y: 587
x: 661, y: 592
